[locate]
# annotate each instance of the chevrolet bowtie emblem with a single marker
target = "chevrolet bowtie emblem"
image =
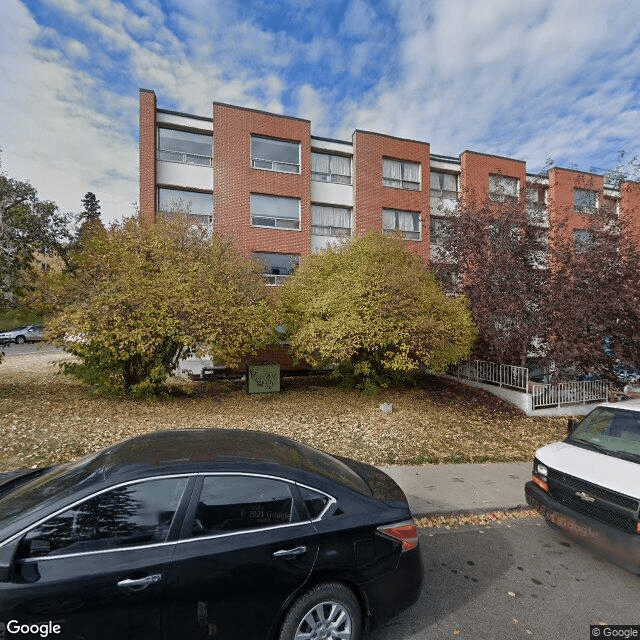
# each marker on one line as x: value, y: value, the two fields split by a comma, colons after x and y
x: 585, y: 496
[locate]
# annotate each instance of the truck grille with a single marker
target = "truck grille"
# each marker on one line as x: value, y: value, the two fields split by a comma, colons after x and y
x: 607, y: 506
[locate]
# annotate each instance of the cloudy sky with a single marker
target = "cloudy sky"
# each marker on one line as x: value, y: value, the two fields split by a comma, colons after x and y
x: 527, y: 79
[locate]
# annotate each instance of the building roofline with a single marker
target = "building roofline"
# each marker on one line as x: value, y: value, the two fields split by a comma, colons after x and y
x: 184, y: 115
x: 584, y: 173
x: 492, y: 155
x: 331, y: 140
x: 386, y: 135
x: 267, y: 113
x: 441, y: 158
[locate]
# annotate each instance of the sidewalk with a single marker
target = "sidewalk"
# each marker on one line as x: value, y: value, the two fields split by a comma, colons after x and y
x: 462, y: 488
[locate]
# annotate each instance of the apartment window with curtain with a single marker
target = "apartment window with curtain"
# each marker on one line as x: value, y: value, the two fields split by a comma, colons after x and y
x: 407, y: 222
x: 330, y: 221
x: 585, y: 201
x: 537, y: 213
x: 503, y: 188
x: 196, y: 205
x: 400, y: 174
x: 327, y: 167
x: 443, y: 185
x: 275, y: 155
x: 184, y: 147
x: 275, y: 212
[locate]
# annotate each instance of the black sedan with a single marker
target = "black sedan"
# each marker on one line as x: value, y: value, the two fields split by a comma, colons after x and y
x: 204, y: 533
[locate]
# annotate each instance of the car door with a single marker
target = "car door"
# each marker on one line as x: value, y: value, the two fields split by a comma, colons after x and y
x: 244, y: 552
x: 97, y: 569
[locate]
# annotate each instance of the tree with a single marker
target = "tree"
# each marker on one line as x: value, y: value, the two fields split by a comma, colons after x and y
x: 91, y: 211
x: 493, y: 250
x: 28, y: 226
x: 141, y: 294
x: 375, y: 311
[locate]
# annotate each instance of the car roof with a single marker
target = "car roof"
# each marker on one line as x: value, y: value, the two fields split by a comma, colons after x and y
x: 211, y: 449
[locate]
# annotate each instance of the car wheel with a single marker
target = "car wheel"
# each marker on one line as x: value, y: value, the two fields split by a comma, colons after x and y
x: 327, y: 612
x: 20, y: 339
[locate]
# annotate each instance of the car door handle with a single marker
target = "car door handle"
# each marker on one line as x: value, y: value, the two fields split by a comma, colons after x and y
x: 290, y: 553
x: 140, y: 583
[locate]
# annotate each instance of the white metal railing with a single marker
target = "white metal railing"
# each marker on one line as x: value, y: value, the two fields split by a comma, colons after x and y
x: 554, y: 395
x: 184, y: 158
x: 504, y: 375
x: 275, y: 280
x: 275, y: 165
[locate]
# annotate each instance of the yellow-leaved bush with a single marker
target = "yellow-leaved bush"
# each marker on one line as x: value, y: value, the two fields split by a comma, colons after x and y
x: 141, y: 294
x: 375, y: 311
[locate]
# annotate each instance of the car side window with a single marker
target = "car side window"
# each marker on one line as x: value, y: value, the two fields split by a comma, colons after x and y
x: 314, y: 501
x: 131, y: 515
x: 236, y: 503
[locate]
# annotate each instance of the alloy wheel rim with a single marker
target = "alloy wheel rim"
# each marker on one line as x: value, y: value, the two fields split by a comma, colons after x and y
x: 325, y: 621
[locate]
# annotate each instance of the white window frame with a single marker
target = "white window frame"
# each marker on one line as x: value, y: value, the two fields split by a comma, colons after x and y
x: 443, y: 193
x: 331, y: 176
x: 275, y: 165
x: 330, y: 230
x: 401, y: 168
x: 275, y: 279
x: 182, y: 157
x: 199, y: 218
x: 278, y: 221
x: 500, y: 188
x: 389, y: 230
x: 589, y: 208
x: 583, y: 240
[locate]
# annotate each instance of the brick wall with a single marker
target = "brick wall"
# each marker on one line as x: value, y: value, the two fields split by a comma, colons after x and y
x: 235, y: 180
x: 371, y: 197
x: 563, y: 218
x: 475, y: 171
x: 630, y: 208
x: 147, y: 160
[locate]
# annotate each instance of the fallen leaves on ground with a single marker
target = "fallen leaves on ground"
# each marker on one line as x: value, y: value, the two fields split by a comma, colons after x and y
x: 468, y: 519
x: 48, y: 418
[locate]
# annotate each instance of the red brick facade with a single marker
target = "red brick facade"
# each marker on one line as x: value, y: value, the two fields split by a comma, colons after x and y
x: 371, y: 196
x: 235, y: 179
x: 147, y: 155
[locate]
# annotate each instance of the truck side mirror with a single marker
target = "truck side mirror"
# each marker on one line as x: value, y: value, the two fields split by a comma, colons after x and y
x: 572, y: 423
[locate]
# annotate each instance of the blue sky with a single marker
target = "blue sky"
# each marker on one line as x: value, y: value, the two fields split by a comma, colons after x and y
x: 553, y: 79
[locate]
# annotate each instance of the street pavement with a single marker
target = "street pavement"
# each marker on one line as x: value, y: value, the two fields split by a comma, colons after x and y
x: 462, y: 488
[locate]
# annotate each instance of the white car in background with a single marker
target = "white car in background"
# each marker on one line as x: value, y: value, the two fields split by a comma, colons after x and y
x: 30, y: 333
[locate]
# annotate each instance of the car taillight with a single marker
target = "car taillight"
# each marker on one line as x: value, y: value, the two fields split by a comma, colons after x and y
x: 406, y: 532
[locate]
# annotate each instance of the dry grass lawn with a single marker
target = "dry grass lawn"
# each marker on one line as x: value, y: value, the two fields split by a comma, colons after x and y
x: 48, y: 418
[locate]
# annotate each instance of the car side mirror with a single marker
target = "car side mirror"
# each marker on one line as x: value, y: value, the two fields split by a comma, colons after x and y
x: 572, y: 423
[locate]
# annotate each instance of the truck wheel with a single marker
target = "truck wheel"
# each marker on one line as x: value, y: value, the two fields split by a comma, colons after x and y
x: 329, y: 611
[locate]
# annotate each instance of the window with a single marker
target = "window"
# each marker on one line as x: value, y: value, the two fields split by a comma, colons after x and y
x: 443, y: 185
x: 537, y: 205
x: 239, y: 503
x: 131, y: 515
x: 194, y: 204
x: 439, y: 230
x: 184, y: 147
x: 277, y: 266
x: 275, y: 155
x: 273, y: 211
x: 582, y: 240
x: 405, y: 221
x: 330, y: 221
x: 403, y: 175
x: 585, y: 201
x: 503, y: 188
x: 314, y: 501
x: 330, y: 168
x: 610, y: 206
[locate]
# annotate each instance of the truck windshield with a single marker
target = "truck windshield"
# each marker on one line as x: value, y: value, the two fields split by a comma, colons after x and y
x: 611, y: 430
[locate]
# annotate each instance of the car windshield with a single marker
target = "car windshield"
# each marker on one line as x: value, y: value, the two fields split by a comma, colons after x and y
x: 53, y: 485
x: 610, y: 430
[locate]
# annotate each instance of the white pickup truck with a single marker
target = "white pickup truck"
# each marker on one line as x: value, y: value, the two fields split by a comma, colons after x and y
x: 589, y: 484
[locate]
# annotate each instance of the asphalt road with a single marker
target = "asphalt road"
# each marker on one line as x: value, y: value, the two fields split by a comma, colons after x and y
x: 12, y: 349
x: 518, y: 579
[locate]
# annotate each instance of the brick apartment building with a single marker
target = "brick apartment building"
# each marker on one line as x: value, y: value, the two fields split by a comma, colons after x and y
x: 278, y: 192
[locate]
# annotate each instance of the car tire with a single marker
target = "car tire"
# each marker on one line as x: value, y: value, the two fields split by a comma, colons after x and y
x: 20, y: 339
x: 328, y: 611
